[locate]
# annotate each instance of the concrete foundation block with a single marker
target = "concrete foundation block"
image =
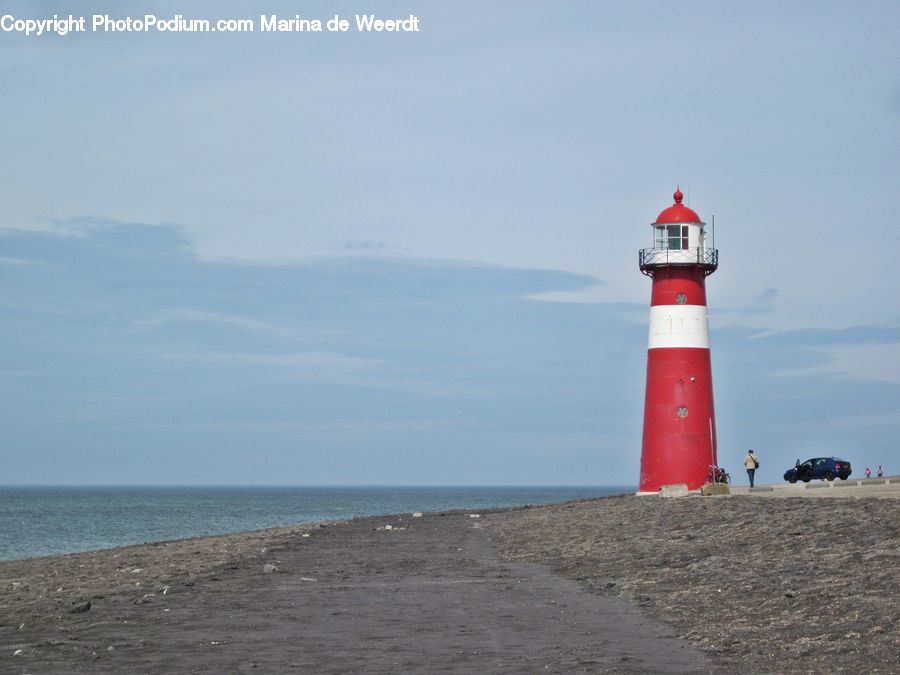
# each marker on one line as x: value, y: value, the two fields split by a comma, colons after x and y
x: 675, y: 490
x: 715, y: 489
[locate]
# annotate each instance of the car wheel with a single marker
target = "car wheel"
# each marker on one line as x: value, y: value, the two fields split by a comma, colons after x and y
x: 829, y: 476
x: 843, y: 477
x: 792, y: 480
x: 806, y: 479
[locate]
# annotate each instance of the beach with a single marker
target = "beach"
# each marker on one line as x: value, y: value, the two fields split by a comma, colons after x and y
x: 616, y: 584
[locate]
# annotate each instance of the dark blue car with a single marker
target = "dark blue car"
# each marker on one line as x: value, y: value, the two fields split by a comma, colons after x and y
x: 823, y: 468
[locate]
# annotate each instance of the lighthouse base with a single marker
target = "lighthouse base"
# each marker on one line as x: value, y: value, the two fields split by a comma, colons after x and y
x: 678, y: 490
x: 678, y: 444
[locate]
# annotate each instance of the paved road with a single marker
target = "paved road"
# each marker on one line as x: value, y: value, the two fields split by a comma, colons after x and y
x: 889, y: 487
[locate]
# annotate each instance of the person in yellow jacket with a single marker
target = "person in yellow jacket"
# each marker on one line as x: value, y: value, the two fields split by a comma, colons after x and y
x: 752, y: 464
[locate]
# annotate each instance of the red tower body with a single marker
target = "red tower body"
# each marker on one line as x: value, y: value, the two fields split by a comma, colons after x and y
x: 679, y: 442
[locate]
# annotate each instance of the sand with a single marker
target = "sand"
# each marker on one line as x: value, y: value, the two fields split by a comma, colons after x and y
x: 624, y: 584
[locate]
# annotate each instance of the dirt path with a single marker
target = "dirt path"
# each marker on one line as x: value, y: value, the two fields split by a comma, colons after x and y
x: 427, y: 596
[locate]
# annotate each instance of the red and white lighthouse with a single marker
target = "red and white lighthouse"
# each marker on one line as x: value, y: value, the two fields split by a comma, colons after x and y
x: 679, y: 443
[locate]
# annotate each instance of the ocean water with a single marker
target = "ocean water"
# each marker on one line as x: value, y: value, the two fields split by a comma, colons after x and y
x: 39, y: 521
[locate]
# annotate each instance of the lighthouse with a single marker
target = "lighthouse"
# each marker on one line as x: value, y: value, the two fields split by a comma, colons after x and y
x: 679, y: 441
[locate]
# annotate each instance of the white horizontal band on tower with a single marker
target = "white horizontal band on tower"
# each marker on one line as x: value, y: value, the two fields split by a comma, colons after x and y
x: 679, y: 326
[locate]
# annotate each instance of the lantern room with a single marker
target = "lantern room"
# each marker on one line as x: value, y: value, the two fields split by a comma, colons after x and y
x: 679, y: 238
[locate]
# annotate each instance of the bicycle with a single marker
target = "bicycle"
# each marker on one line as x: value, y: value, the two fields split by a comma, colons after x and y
x: 718, y: 475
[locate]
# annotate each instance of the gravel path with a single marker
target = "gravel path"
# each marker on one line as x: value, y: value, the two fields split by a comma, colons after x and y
x: 426, y: 596
x: 787, y: 585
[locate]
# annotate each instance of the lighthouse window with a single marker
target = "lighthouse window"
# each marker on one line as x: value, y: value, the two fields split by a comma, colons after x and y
x: 677, y: 237
x: 660, y: 241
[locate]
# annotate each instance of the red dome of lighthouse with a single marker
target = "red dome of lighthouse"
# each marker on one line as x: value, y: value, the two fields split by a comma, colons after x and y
x: 678, y: 212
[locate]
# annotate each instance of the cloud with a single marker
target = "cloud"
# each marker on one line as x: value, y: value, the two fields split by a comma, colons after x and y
x: 312, y: 366
x: 373, y: 248
x: 757, y: 311
x: 768, y: 295
x: 78, y: 225
x: 365, y: 363
x: 866, y: 362
x: 327, y: 428
x: 204, y: 316
x: 514, y: 153
x: 867, y: 422
x: 593, y: 294
x: 14, y: 261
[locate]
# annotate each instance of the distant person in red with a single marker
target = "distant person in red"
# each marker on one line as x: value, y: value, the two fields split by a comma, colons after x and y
x: 868, y: 472
x: 880, y: 472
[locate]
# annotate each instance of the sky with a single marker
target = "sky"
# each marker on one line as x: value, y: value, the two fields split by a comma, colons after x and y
x: 401, y: 258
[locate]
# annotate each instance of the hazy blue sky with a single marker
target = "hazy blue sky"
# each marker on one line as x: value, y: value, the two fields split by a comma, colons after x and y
x: 412, y: 258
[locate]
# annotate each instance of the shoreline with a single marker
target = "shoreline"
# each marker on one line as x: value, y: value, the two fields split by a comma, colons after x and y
x: 887, y: 486
x: 749, y: 582
x: 45, y: 521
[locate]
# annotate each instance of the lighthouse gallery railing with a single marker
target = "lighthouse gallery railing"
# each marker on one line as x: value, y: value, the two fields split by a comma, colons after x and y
x: 706, y: 257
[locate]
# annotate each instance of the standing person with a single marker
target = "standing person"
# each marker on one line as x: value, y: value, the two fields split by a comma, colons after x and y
x: 868, y: 472
x: 880, y: 472
x: 752, y: 464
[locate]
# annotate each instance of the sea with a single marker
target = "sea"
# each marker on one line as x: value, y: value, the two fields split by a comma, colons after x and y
x: 41, y: 521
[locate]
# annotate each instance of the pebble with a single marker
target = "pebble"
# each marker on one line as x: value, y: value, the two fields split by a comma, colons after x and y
x: 81, y: 607
x: 268, y: 568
